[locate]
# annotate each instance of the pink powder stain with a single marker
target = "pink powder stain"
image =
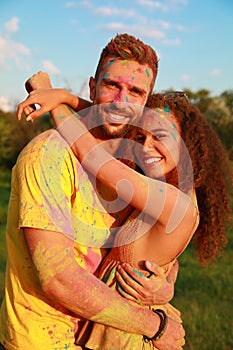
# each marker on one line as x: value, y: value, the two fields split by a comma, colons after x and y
x: 92, y: 260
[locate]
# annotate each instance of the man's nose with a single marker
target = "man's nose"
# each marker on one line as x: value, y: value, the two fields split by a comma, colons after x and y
x: 121, y: 96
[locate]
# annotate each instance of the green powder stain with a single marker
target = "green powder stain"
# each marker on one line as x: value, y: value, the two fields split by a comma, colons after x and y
x: 147, y: 73
x: 173, y: 135
x: 166, y: 109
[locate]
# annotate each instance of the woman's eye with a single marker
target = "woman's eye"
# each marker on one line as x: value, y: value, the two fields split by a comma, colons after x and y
x: 158, y: 136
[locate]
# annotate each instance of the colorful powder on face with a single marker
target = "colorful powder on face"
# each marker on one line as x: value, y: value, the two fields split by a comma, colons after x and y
x: 173, y: 135
x: 147, y: 73
x: 110, y: 63
x: 166, y: 109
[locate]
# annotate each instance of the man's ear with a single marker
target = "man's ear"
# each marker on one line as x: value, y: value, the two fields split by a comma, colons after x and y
x: 92, y: 87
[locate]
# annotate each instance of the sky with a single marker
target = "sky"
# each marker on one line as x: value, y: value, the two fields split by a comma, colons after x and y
x: 193, y: 39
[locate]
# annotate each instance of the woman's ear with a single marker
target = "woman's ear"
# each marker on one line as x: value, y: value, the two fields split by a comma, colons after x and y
x: 92, y: 86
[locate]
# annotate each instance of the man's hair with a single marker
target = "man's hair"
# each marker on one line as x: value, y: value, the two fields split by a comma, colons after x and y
x: 127, y: 47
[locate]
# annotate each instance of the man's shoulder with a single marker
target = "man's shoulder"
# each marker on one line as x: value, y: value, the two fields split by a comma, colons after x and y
x: 48, y: 144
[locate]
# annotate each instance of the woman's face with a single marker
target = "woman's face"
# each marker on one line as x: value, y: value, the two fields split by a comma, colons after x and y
x: 158, y: 143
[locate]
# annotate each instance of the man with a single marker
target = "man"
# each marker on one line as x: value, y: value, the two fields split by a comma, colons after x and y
x: 54, y: 211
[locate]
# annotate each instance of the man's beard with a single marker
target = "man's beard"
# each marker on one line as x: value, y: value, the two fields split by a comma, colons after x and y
x: 111, y: 129
x: 115, y: 133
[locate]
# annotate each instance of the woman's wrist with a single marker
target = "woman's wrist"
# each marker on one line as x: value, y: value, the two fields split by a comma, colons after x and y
x: 158, y: 331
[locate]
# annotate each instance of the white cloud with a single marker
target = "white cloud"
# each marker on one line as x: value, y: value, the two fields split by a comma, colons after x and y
x: 180, y: 2
x: 12, y: 25
x: 12, y: 50
x: 116, y: 26
x: 136, y: 30
x: 164, y: 24
x: 162, y: 5
x: 50, y: 67
x: 175, y: 42
x: 216, y: 72
x: 186, y: 78
x: 4, y: 104
x: 114, y: 11
x: 152, y: 4
x: 74, y: 4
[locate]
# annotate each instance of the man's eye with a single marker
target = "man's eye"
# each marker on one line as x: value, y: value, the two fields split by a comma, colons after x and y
x: 140, y: 138
x: 136, y: 92
x: 109, y: 83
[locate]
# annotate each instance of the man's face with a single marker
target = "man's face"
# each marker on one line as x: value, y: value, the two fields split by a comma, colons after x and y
x: 120, y: 92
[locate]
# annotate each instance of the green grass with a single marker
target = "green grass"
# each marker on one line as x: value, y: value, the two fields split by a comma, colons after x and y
x: 203, y: 295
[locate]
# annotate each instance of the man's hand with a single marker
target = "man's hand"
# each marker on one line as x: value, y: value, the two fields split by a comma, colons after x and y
x: 157, y: 289
x: 173, y: 337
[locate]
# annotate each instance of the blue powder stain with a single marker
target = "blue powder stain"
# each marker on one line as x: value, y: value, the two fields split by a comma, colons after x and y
x: 161, y: 190
x: 166, y: 109
x: 110, y: 63
x: 147, y: 73
x: 127, y: 99
x: 106, y: 76
x: 138, y: 273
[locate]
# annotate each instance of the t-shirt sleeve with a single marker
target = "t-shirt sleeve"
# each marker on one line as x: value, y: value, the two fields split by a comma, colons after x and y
x: 46, y: 185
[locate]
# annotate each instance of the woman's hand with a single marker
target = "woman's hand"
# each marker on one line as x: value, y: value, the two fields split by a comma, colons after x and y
x: 173, y: 337
x: 158, y: 289
x: 48, y: 99
x: 41, y: 93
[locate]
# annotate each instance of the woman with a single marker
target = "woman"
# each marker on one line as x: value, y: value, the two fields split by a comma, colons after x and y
x: 180, y: 152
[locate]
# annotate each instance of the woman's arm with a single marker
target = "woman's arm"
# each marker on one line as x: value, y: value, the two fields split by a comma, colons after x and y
x: 163, y: 202
x: 160, y: 200
x: 41, y: 93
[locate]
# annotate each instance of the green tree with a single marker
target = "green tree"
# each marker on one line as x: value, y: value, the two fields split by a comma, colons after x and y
x: 15, y: 135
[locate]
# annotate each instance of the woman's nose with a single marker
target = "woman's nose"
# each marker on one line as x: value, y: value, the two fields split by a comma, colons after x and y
x: 148, y: 143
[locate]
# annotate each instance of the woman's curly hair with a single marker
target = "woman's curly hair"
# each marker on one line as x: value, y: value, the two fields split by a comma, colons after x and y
x: 211, y: 175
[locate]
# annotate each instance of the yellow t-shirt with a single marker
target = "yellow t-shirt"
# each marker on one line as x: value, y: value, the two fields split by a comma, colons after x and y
x: 50, y: 191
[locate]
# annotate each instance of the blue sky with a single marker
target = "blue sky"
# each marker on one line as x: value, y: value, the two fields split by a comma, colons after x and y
x: 193, y: 39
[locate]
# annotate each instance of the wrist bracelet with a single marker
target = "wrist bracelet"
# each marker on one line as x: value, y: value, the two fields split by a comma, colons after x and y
x: 162, y: 327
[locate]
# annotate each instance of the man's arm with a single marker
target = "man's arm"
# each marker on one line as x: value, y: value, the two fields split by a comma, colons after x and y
x: 66, y: 283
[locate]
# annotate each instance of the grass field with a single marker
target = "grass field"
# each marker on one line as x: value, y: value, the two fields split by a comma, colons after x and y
x: 204, y: 295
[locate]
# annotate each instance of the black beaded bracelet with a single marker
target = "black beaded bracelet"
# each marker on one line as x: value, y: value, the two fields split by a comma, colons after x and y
x: 162, y: 327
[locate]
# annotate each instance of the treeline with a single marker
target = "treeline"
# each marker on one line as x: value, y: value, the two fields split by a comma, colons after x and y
x: 217, y: 110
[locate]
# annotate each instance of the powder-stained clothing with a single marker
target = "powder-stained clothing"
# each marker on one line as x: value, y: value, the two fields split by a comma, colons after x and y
x: 100, y: 337
x: 50, y: 191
